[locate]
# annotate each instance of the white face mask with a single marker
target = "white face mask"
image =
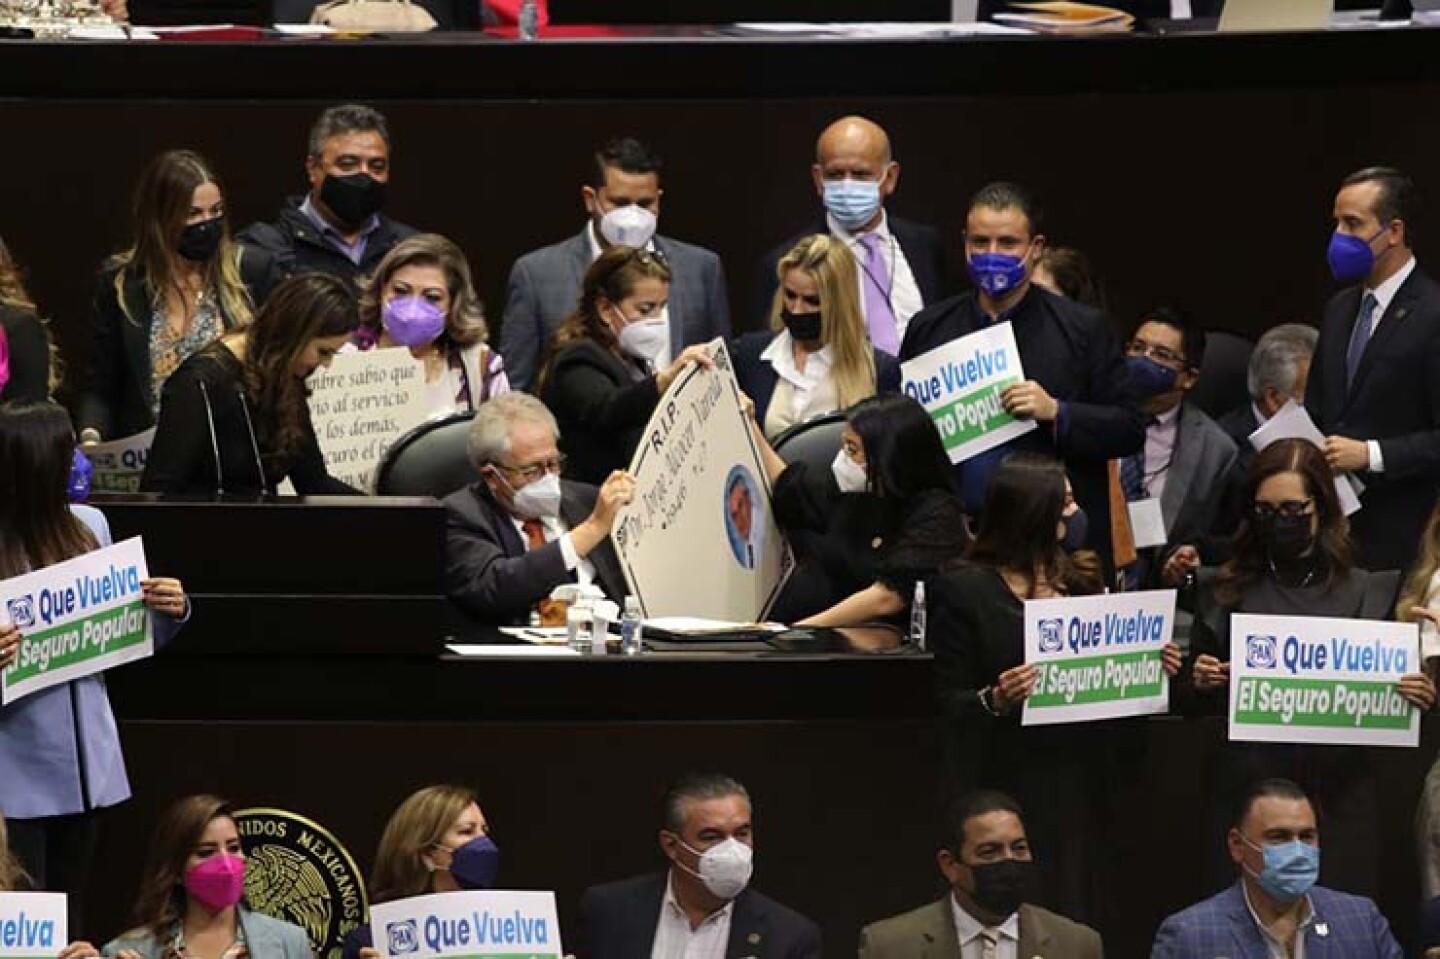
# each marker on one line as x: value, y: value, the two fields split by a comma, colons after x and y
x: 644, y: 339
x: 725, y: 868
x: 539, y: 499
x: 628, y: 226
x: 849, y: 475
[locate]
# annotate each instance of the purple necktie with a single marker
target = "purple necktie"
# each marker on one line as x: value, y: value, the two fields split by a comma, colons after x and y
x: 884, y: 335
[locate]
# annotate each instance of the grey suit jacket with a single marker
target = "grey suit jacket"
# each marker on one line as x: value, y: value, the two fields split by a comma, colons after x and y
x: 489, y: 572
x: 265, y: 937
x: 544, y: 288
x: 1198, y: 482
x: 929, y: 933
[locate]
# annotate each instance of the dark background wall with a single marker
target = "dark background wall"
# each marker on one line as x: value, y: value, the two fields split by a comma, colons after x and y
x: 1218, y: 200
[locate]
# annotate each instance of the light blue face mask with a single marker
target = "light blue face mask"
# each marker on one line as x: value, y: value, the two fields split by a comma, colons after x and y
x: 1291, y: 868
x: 853, y: 203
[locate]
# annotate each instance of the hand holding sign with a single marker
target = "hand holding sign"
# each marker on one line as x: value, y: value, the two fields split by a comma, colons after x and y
x: 1029, y: 401
x: 1210, y: 674
x: 1419, y: 689
x: 9, y: 643
x: 164, y: 595
x: 699, y: 353
x: 1014, y: 687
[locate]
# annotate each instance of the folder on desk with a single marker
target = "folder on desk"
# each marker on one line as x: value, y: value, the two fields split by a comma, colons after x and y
x: 1065, y: 16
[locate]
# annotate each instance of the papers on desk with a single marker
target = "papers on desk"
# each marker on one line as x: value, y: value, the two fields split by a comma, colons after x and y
x: 876, y: 30
x: 697, y: 626
x: 1064, y: 16
x: 538, y: 635
x: 1293, y: 421
x: 480, y: 651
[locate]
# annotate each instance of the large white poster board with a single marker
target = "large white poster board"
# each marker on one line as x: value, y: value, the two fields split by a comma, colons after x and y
x: 76, y: 618
x: 1098, y: 657
x: 960, y: 383
x: 363, y: 403
x: 699, y: 539
x: 468, y: 925
x: 1311, y: 679
x: 32, y: 925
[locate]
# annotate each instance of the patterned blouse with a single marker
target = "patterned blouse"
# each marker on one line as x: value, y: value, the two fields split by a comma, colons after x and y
x: 168, y: 349
x: 237, y: 949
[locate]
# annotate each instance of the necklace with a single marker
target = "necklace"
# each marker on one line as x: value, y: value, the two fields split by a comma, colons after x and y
x: 1309, y: 575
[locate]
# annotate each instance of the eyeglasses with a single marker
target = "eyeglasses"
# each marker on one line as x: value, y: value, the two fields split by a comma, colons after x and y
x: 1160, y: 354
x: 1290, y: 509
x: 533, y: 471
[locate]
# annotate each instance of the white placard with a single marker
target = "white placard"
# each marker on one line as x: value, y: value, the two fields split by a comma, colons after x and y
x: 361, y: 404
x: 1310, y: 679
x: 1292, y: 421
x: 32, y: 925
x: 699, y: 538
x: 959, y: 384
x: 1098, y: 657
x: 118, y: 464
x: 474, y: 925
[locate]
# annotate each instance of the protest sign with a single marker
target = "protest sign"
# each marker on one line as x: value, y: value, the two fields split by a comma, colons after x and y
x: 78, y: 617
x: 699, y: 538
x: 468, y: 925
x: 119, y: 463
x: 361, y: 404
x: 1098, y: 657
x: 32, y: 925
x: 1310, y: 679
x: 960, y: 383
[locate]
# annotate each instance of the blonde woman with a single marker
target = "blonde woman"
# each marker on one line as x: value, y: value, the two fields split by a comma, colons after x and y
x: 422, y: 297
x: 181, y: 284
x: 816, y: 357
x: 438, y: 840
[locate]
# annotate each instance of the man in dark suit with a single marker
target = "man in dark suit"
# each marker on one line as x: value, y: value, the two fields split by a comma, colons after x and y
x: 1279, y: 369
x: 338, y: 227
x: 1077, y: 387
x: 521, y: 531
x: 1275, y: 907
x: 1374, y: 387
x: 701, y: 906
x: 1185, y: 471
x: 622, y: 201
x: 901, y: 264
x: 986, y: 862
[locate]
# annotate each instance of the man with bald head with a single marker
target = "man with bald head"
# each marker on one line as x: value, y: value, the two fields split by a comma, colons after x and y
x: 901, y: 265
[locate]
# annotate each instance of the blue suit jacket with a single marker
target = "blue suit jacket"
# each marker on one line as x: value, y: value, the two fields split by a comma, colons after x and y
x: 1345, y: 927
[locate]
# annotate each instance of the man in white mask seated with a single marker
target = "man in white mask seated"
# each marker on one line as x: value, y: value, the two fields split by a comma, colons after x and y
x: 702, y: 905
x: 521, y: 530
x: 622, y: 204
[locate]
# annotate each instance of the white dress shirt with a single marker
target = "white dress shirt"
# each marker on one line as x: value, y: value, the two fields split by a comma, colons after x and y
x: 800, y: 395
x: 674, y: 939
x: 555, y: 529
x: 1160, y: 438
x: 1384, y: 294
x: 662, y: 359
x: 903, y: 291
x: 1274, y: 948
x: 972, y: 943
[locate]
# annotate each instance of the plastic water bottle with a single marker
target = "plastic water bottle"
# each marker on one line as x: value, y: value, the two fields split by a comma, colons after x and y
x: 632, y: 630
x: 580, y: 627
x: 529, y: 20
x: 917, y: 616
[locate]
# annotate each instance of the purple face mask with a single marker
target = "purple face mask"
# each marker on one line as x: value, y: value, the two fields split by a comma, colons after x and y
x: 412, y: 321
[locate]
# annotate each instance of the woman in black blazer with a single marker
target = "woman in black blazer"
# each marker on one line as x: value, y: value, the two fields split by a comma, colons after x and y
x: 235, y: 417
x: 816, y: 357
x: 182, y: 283
x: 601, y: 378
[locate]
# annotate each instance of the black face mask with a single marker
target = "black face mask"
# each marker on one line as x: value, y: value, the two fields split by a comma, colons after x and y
x: 199, y: 241
x: 1286, y: 537
x: 1001, y: 887
x: 354, y: 198
x: 802, y: 326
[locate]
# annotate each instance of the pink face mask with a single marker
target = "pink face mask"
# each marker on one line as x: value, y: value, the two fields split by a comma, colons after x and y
x: 218, y: 882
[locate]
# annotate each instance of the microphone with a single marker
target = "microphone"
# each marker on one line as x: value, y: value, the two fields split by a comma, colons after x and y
x: 214, y: 443
x: 250, y: 428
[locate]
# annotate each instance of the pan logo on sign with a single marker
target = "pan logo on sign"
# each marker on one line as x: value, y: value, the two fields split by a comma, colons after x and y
x: 1260, y: 652
x: 404, y: 937
x: 21, y: 610
x: 1052, y: 639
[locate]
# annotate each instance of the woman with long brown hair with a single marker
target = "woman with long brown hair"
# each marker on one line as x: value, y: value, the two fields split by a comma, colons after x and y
x: 191, y: 903
x: 422, y: 298
x: 182, y: 283
x: 235, y: 417
x: 60, y: 759
x: 608, y: 364
x: 1293, y: 556
x: 437, y: 840
x: 31, y: 368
